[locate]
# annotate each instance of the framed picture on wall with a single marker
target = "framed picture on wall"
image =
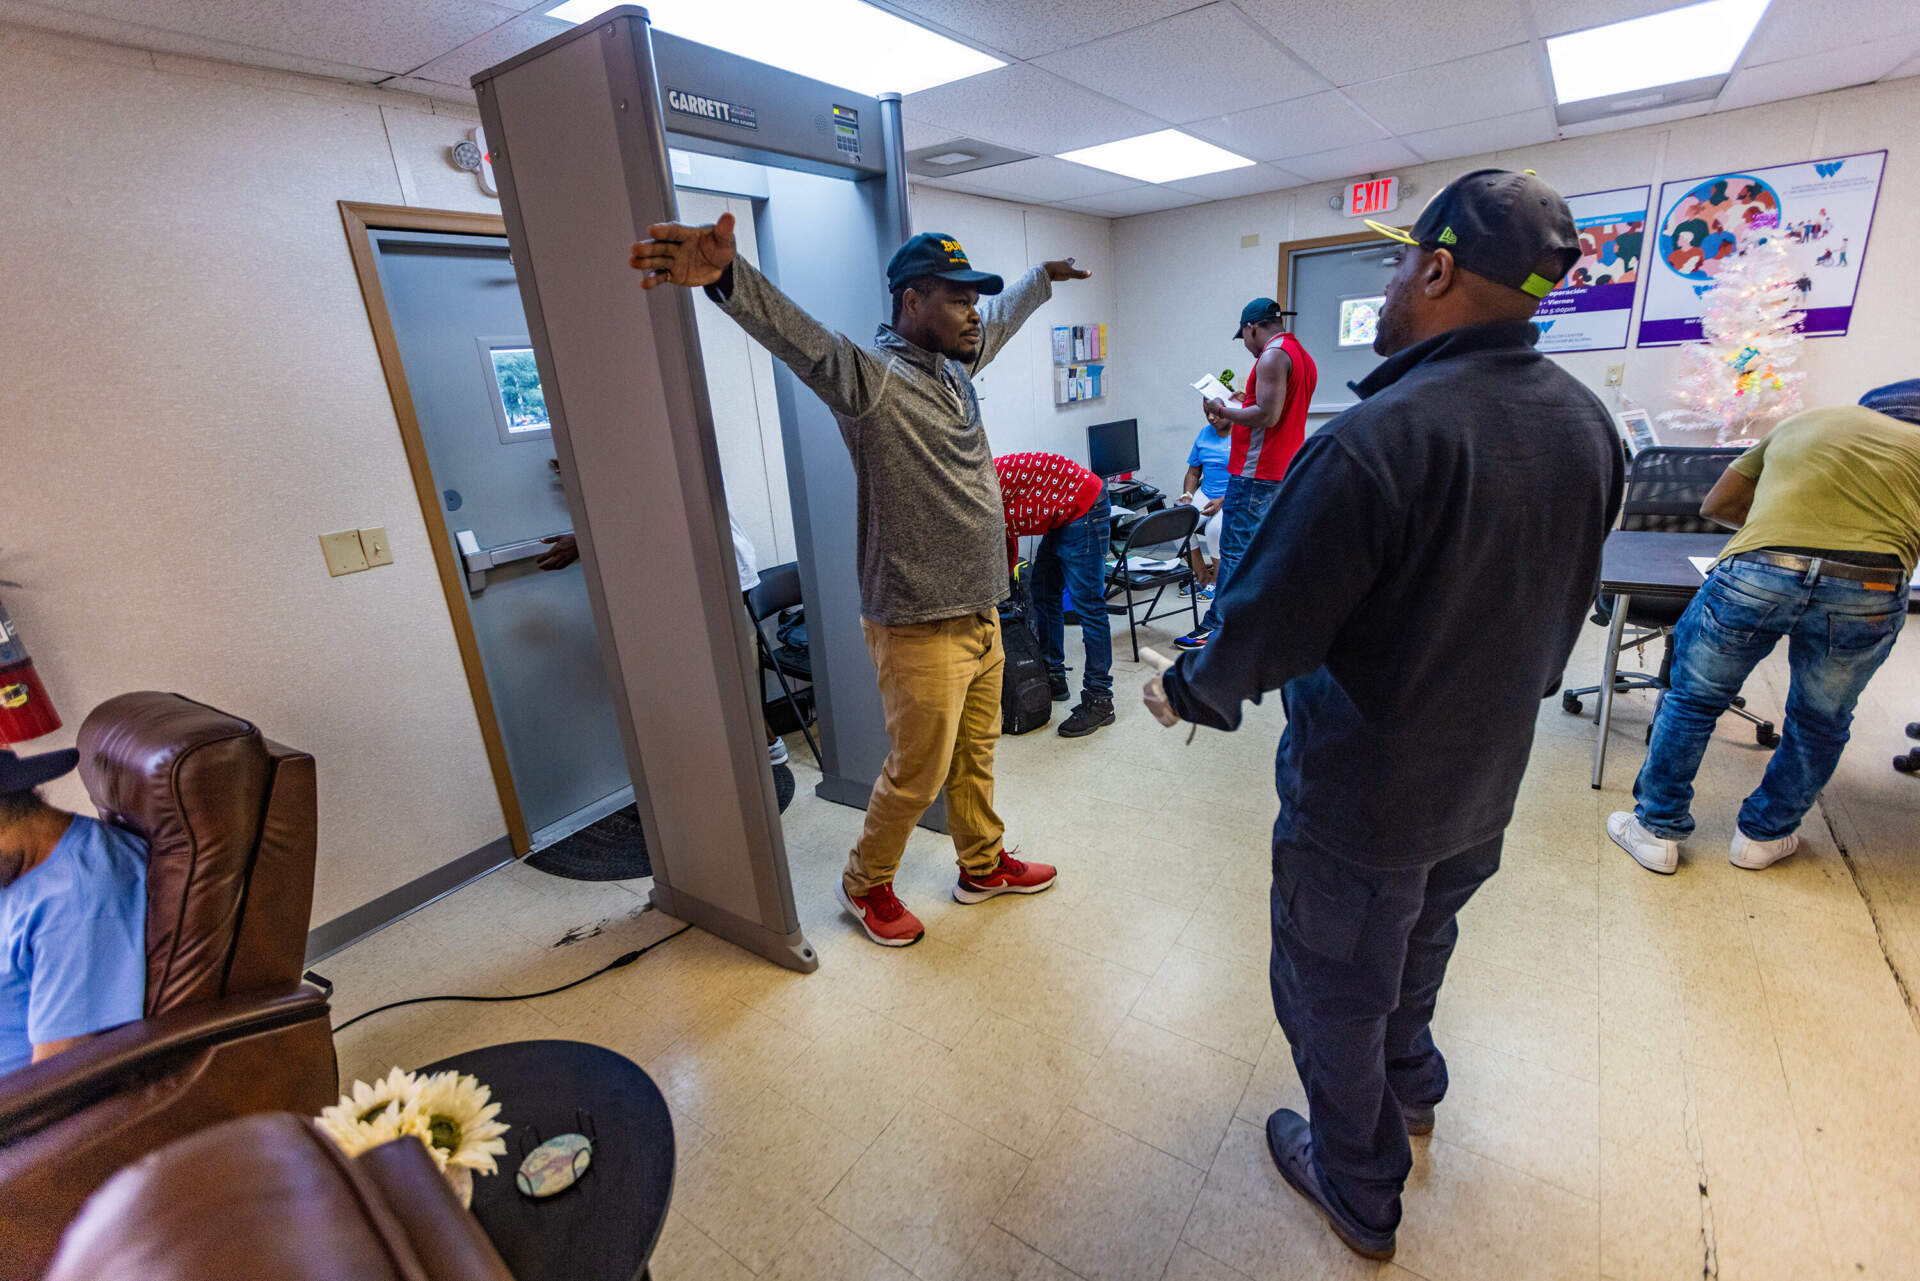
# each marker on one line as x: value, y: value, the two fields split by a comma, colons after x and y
x: 1636, y: 429
x: 1360, y: 319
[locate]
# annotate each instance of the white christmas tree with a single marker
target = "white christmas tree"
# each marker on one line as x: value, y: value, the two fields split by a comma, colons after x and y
x: 1739, y: 378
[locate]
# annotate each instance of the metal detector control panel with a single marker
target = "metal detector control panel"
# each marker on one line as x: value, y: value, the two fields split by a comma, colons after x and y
x: 724, y: 105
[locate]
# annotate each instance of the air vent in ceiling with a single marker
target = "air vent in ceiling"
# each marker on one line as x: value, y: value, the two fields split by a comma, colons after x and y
x: 960, y: 155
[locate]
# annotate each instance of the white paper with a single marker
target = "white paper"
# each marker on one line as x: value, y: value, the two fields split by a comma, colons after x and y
x: 1702, y: 563
x: 1212, y: 388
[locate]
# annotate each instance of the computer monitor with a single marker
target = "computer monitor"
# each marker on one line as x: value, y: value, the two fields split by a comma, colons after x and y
x: 1113, y: 449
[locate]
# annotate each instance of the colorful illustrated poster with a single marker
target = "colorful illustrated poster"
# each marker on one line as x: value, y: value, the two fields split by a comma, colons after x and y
x: 1823, y: 209
x: 1589, y: 310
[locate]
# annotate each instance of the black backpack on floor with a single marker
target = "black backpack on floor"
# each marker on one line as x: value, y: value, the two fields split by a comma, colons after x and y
x: 1026, y: 700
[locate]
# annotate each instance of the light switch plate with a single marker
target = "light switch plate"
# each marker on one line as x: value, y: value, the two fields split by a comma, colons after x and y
x: 343, y: 551
x: 374, y: 543
x: 1614, y: 374
x: 1250, y: 241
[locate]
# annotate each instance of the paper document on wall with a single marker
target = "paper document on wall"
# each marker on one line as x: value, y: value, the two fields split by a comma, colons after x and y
x: 1212, y: 388
x: 1702, y: 563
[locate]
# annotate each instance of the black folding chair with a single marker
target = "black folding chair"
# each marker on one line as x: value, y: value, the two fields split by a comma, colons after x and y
x: 780, y: 589
x: 1173, y: 525
x: 1665, y: 487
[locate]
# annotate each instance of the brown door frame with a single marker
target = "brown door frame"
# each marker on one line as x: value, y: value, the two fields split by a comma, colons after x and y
x: 1292, y: 247
x: 361, y: 220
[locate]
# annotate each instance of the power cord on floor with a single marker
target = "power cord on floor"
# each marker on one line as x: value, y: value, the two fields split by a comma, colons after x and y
x: 624, y: 959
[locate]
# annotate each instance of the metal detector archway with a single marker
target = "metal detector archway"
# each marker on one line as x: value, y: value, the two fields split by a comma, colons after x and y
x: 579, y: 129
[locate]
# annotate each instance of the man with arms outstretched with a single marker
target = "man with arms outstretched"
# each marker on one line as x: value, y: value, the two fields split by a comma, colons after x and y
x: 931, y: 533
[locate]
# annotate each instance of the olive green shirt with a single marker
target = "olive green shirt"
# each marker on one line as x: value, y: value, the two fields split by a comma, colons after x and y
x: 1845, y: 479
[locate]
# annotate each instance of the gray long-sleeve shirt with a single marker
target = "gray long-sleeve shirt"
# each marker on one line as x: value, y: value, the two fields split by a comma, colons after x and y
x: 931, y: 533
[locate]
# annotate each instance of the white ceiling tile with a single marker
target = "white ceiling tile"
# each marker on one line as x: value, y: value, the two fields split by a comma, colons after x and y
x: 132, y: 34
x: 1634, y: 119
x: 1036, y: 27
x: 1134, y: 200
x: 1351, y: 162
x: 1478, y: 88
x: 1300, y: 127
x: 1482, y: 136
x: 492, y: 48
x: 1911, y: 67
x: 1348, y: 41
x: 1814, y: 73
x: 1250, y: 181
x: 1557, y: 17
x: 923, y: 135
x: 1795, y: 28
x: 454, y: 95
x: 1174, y: 68
x: 1042, y: 179
x: 359, y: 33
x: 1024, y: 107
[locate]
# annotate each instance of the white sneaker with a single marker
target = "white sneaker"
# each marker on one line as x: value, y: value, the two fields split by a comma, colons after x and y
x: 1754, y: 855
x: 1655, y: 853
x: 777, y: 751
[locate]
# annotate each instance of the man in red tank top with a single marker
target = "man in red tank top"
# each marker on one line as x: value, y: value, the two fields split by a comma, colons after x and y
x: 1269, y: 426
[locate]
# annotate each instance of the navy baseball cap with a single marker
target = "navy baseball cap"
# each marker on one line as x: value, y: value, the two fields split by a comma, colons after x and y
x: 1257, y: 311
x: 935, y: 253
x: 24, y: 773
x: 1510, y: 227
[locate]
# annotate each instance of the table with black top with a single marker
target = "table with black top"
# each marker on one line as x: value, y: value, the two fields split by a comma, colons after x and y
x: 1637, y: 564
x: 604, y: 1227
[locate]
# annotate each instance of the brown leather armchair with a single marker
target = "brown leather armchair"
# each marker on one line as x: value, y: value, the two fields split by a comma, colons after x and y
x: 269, y: 1197
x: 230, y: 1029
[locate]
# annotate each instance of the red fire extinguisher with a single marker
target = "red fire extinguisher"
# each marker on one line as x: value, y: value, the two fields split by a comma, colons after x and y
x: 25, y: 710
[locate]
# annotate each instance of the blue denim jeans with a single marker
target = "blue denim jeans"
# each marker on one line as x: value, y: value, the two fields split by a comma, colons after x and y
x: 1245, y: 506
x: 1075, y: 556
x: 1839, y: 632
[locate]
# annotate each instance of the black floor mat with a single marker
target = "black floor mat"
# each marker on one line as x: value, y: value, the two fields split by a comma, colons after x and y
x: 615, y: 848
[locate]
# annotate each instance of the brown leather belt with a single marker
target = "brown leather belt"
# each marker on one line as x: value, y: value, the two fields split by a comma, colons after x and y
x: 1873, y: 577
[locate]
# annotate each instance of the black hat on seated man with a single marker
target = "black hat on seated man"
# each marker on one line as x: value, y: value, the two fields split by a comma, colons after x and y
x: 24, y: 773
x: 935, y: 253
x: 1259, y: 312
x: 1511, y: 228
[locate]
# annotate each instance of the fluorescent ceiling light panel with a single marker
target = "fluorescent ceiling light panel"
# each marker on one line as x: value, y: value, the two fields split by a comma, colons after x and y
x: 1166, y: 156
x: 843, y: 42
x: 1662, y: 48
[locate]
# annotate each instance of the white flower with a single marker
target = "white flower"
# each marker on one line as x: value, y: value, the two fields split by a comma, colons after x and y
x: 370, y: 1115
x: 459, y: 1120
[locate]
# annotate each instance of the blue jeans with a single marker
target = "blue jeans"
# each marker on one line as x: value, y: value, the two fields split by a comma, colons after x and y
x: 1839, y: 632
x: 1075, y: 555
x: 1244, y: 508
x: 1359, y: 954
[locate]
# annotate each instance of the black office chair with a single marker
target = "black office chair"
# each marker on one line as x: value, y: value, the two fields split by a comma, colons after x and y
x: 1665, y: 487
x: 779, y: 589
x: 1172, y: 525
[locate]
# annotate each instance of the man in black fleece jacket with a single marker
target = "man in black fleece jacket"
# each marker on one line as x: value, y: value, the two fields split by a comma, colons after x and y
x: 1414, y: 591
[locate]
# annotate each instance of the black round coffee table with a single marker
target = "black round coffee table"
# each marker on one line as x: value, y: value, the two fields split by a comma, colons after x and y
x: 604, y: 1227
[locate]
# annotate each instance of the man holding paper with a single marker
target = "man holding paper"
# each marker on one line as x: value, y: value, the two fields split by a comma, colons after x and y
x: 1268, y: 426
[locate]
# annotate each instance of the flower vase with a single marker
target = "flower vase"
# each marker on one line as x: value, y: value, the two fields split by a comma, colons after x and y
x: 460, y: 1179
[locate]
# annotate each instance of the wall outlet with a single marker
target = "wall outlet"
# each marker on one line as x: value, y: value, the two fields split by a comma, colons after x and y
x: 1250, y: 242
x: 1616, y: 374
x: 374, y: 543
x: 343, y: 551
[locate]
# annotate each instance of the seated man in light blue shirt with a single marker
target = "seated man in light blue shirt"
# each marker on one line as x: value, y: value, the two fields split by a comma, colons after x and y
x: 73, y: 918
x: 1206, y: 488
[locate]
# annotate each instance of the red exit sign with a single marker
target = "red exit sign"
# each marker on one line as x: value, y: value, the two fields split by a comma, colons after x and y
x: 1374, y: 196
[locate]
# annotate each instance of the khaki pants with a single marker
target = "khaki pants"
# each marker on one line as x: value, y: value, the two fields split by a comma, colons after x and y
x: 940, y: 688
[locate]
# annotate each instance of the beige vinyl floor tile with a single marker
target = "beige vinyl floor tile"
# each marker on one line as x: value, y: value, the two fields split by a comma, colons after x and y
x: 1073, y: 1087
x: 1171, y: 1092
x: 927, y: 1188
x: 1102, y: 1203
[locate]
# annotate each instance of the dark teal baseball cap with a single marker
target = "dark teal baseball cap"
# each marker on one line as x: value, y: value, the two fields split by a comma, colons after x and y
x: 24, y: 773
x: 1510, y: 227
x: 935, y: 253
x: 1259, y: 311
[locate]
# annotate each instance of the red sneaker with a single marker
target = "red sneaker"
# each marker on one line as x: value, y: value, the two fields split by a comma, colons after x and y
x: 884, y: 917
x: 1011, y: 877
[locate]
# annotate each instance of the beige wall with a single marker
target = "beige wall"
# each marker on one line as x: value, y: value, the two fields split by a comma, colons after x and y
x: 194, y: 395
x: 1178, y: 315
